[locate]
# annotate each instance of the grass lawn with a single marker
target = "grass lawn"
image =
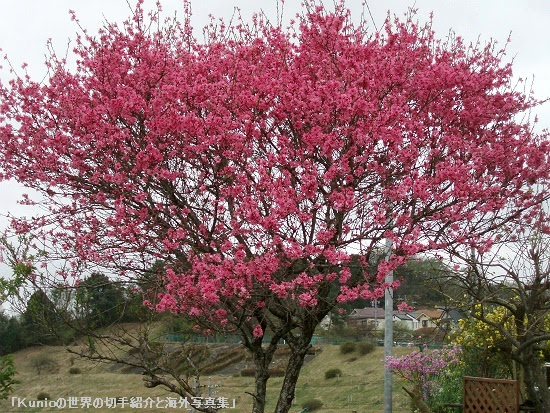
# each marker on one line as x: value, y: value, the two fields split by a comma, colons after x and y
x: 360, y: 387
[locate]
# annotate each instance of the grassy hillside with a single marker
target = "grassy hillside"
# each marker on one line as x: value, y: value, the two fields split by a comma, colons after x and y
x: 360, y: 388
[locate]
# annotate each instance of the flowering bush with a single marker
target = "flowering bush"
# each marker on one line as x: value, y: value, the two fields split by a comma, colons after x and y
x: 486, y: 349
x: 420, y: 369
x: 475, y: 333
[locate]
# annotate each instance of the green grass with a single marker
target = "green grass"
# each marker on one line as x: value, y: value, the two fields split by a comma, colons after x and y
x: 360, y: 388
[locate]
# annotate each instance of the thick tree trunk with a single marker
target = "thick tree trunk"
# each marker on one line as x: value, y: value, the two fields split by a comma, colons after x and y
x: 299, y: 347
x: 262, y: 360
x: 288, y: 389
x: 535, y: 384
x: 260, y: 378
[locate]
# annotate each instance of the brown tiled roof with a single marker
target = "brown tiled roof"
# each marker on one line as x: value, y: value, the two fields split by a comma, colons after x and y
x: 433, y: 313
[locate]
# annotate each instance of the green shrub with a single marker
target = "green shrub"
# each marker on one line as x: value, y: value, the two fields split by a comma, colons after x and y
x: 277, y: 372
x: 312, y: 404
x: 248, y: 372
x: 43, y: 396
x: 283, y: 351
x: 365, y: 348
x: 329, y: 374
x: 313, y: 351
x: 7, y: 374
x: 347, y: 347
x: 75, y: 370
x: 449, y: 384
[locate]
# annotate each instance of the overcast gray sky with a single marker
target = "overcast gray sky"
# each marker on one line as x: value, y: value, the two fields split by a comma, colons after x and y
x: 25, y: 26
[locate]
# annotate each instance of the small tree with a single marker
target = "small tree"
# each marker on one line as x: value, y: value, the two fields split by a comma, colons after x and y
x: 41, y: 322
x: 99, y: 301
x: 7, y: 376
x: 11, y: 335
x: 506, y: 289
x: 44, y: 363
x: 485, y: 348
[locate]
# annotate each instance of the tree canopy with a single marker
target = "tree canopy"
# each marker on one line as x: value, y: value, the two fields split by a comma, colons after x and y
x: 99, y: 301
x: 256, y: 163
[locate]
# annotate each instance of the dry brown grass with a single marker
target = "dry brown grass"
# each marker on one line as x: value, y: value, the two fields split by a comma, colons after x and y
x: 360, y: 388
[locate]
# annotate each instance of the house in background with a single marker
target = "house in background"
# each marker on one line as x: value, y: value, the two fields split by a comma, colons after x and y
x: 450, y: 319
x: 406, y: 319
x: 326, y: 322
x: 429, y: 317
x: 373, y: 318
x: 366, y: 318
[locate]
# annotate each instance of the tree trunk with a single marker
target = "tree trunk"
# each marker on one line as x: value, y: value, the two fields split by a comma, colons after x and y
x: 262, y: 360
x: 417, y: 399
x: 288, y: 389
x: 535, y: 384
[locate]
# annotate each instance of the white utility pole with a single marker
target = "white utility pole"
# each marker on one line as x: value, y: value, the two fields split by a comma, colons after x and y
x: 388, y: 333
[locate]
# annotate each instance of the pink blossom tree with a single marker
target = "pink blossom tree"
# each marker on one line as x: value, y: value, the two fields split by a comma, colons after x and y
x: 265, y: 165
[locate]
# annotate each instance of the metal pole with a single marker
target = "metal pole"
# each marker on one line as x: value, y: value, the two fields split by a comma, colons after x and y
x: 388, y: 333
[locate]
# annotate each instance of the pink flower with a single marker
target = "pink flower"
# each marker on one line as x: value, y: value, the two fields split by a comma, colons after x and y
x: 258, y: 332
x: 404, y: 307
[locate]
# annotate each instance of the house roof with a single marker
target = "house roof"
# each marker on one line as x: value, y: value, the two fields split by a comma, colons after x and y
x: 403, y: 316
x: 433, y: 313
x: 371, y: 312
x: 455, y: 315
x: 367, y: 312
